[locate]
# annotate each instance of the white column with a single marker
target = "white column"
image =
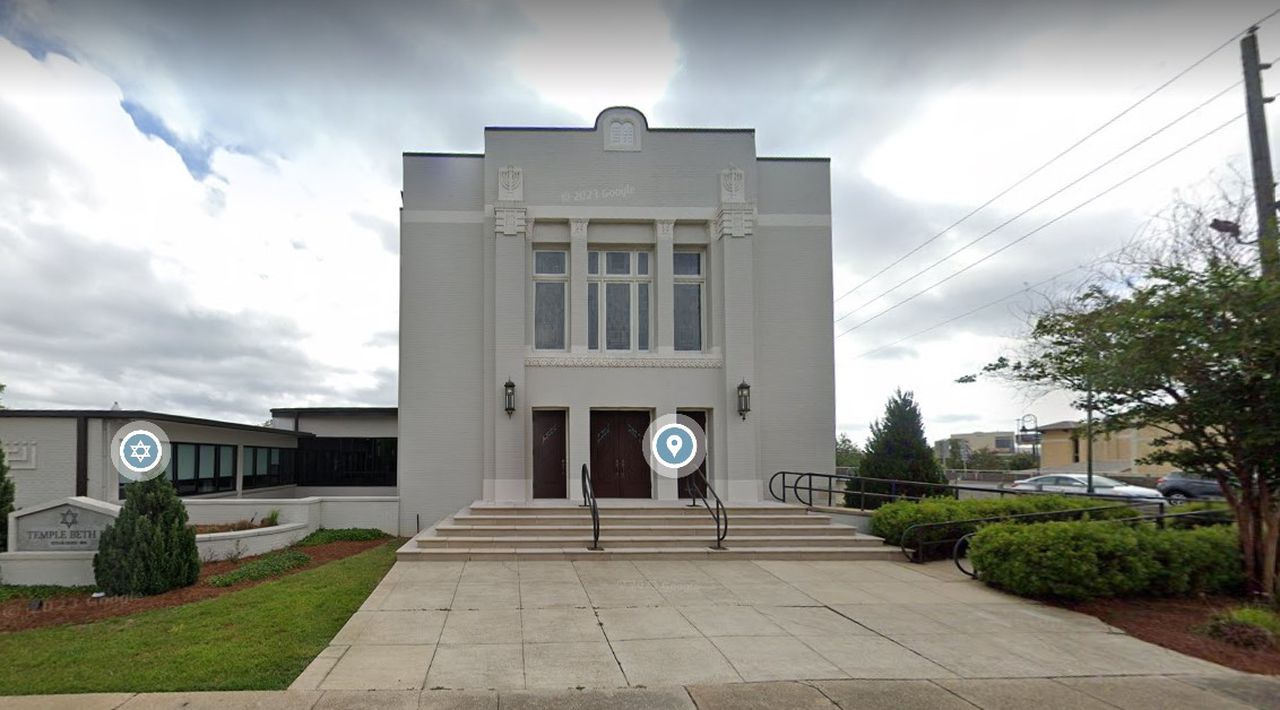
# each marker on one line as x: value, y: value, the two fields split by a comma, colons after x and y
x: 663, y: 287
x: 578, y: 285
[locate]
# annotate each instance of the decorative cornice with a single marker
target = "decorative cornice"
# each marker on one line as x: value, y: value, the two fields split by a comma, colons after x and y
x: 509, y: 222
x: 606, y: 361
x: 666, y: 229
x: 735, y: 221
x: 510, y: 184
x: 578, y: 228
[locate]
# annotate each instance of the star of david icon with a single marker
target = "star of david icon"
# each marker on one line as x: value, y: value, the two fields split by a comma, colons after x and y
x: 70, y: 518
x: 145, y: 450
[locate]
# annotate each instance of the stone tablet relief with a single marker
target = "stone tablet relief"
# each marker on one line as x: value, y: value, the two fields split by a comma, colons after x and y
x: 63, y: 528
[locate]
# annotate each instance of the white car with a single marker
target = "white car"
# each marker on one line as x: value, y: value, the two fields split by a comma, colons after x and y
x: 1079, y: 483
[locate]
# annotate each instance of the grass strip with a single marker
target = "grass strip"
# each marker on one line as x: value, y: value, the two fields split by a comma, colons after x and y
x: 258, y: 638
x: 326, y: 535
x: 272, y: 565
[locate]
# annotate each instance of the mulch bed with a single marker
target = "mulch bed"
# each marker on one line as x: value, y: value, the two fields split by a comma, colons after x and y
x: 1172, y: 623
x: 229, y: 527
x: 14, y: 615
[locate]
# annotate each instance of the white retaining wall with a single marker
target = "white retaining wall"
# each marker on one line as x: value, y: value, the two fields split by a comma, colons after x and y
x: 298, y: 517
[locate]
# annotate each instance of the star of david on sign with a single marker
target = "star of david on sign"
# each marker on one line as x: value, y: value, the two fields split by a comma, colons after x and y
x: 70, y: 518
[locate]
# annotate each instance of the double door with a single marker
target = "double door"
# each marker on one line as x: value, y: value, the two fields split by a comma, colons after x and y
x: 618, y: 466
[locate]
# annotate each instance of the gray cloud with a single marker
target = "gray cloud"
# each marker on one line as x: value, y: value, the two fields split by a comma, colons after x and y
x: 388, y: 233
x: 83, y: 324
x: 87, y: 322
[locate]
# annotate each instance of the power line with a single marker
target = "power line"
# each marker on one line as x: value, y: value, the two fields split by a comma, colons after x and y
x: 986, y: 305
x: 1048, y: 197
x: 1031, y: 233
x: 1061, y: 154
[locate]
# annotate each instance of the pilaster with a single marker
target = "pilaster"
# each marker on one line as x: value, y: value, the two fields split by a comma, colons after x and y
x: 510, y: 286
x: 664, y: 286
x: 578, y: 285
x: 734, y: 228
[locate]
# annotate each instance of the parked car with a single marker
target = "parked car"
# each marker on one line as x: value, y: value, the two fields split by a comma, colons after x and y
x: 1079, y: 483
x: 1182, y: 486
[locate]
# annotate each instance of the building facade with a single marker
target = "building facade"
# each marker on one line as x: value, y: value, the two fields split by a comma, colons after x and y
x: 302, y: 451
x: 1064, y: 447
x: 565, y: 287
x: 1000, y: 442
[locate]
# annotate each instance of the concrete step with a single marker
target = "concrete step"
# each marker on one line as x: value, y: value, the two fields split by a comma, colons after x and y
x: 451, y: 529
x: 615, y: 518
x: 605, y: 507
x: 410, y: 552
x: 614, y: 541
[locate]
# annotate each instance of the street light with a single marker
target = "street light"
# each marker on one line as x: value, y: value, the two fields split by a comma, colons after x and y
x: 1035, y: 439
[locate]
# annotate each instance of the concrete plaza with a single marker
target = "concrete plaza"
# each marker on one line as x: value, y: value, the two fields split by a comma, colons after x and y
x: 621, y: 624
x: 732, y: 635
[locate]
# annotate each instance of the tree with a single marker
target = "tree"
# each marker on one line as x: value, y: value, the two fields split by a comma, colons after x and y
x: 149, y: 548
x: 1183, y: 335
x: 847, y: 453
x: 897, y: 450
x: 957, y: 454
x: 6, y: 496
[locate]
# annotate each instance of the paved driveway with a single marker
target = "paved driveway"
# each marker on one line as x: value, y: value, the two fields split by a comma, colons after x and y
x: 557, y: 625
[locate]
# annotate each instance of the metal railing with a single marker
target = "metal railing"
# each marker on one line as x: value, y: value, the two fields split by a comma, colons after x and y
x: 961, y: 546
x: 718, y: 513
x: 589, y: 501
x: 856, y: 488
x: 916, y: 553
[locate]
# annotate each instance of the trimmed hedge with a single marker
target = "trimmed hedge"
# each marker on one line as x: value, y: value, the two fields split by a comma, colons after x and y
x: 1215, y: 513
x: 1082, y: 560
x: 892, y: 520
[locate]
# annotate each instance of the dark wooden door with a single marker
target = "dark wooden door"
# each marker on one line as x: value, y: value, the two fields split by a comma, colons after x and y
x: 694, y: 481
x: 618, y: 466
x: 549, y: 454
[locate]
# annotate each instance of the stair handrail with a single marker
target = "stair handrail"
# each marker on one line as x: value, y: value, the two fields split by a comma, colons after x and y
x: 802, y: 488
x: 720, y: 514
x: 589, y: 501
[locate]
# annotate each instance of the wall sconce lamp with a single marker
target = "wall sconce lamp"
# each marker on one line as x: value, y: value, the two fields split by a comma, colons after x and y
x: 509, y: 397
x: 744, y: 399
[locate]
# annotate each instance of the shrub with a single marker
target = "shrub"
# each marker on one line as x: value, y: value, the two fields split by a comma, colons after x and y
x: 1071, y: 560
x: 6, y: 500
x: 1220, y: 514
x: 1082, y: 560
x: 148, y: 549
x: 271, y: 519
x: 1239, y: 633
x: 1199, y: 560
x: 892, y: 520
x: 1259, y: 616
x: 327, y: 535
x: 266, y: 566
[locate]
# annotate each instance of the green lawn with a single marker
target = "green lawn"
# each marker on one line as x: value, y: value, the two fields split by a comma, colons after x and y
x: 256, y: 639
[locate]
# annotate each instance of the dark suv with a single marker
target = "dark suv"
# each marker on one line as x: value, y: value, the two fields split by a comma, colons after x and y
x: 1179, y: 487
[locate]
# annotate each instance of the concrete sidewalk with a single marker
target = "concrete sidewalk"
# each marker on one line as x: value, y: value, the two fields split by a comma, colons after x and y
x: 1228, y: 692
x: 620, y: 624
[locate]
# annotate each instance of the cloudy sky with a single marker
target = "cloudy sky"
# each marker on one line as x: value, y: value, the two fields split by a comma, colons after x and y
x: 198, y: 201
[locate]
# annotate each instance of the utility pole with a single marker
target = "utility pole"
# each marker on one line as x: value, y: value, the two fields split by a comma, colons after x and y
x: 1088, y: 432
x: 1264, y: 186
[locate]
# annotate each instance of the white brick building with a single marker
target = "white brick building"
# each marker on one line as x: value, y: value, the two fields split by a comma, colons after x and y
x: 612, y: 274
